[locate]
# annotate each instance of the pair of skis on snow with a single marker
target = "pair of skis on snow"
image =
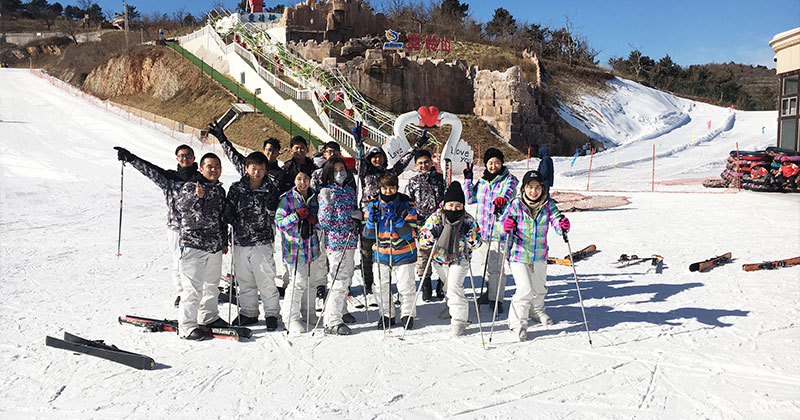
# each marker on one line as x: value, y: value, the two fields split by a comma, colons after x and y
x: 99, y: 349
x: 157, y: 325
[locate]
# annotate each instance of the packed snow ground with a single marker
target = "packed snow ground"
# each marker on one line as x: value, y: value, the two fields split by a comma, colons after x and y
x: 721, y: 344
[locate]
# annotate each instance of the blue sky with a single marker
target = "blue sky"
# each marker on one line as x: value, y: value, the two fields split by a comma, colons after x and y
x: 691, y: 32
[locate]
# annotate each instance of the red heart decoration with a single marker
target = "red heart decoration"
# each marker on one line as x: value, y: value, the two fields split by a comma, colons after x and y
x: 428, y: 116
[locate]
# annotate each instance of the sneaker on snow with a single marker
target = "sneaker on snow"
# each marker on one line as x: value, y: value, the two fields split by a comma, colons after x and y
x: 445, y: 314
x: 196, y: 335
x: 340, y: 329
x: 178, y: 301
x: 244, y: 320
x: 520, y: 334
x: 407, y: 322
x: 541, y: 316
x: 457, y: 329
x: 348, y: 318
x: 272, y: 323
x: 219, y: 322
x: 427, y: 292
x: 296, y: 327
x: 483, y: 299
x: 440, y: 289
x: 385, y: 322
x: 371, y: 301
x: 499, y: 306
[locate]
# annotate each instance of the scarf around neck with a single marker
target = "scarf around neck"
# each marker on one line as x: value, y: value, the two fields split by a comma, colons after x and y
x: 448, y: 241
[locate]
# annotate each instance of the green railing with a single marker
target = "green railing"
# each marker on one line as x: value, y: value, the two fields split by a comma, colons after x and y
x: 245, y: 95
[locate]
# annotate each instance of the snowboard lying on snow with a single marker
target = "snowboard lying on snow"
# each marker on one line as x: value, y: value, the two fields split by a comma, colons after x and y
x: 710, y: 263
x: 772, y: 265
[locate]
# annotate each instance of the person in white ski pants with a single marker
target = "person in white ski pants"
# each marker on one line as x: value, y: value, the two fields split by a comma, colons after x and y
x: 200, y: 272
x: 255, y: 271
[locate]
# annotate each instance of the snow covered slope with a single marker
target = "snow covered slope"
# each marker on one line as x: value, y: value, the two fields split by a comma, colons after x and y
x: 691, y: 139
x: 720, y: 345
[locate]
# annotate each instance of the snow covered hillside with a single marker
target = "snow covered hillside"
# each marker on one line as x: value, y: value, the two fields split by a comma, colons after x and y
x: 691, y: 139
x: 676, y: 345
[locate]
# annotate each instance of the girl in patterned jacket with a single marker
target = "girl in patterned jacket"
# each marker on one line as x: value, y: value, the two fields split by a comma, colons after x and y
x: 340, y: 220
x: 492, y: 192
x: 527, y: 219
x: 452, y: 234
x: 296, y: 218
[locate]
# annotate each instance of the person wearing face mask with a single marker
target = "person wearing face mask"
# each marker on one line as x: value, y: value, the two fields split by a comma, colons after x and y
x: 340, y: 220
x: 492, y: 192
x: 527, y: 220
x: 170, y: 181
x: 451, y: 234
x: 426, y: 189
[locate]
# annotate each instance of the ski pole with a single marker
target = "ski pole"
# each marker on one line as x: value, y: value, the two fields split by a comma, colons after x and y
x: 121, y: 178
x: 475, y: 301
x: 419, y: 287
x: 293, y: 284
x: 488, y: 248
x: 308, y: 278
x: 377, y: 260
x: 335, y: 274
x: 392, y: 309
x: 230, y: 286
x: 577, y: 286
x: 502, y: 253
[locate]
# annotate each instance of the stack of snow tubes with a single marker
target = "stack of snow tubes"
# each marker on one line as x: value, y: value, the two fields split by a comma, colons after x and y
x: 758, y: 171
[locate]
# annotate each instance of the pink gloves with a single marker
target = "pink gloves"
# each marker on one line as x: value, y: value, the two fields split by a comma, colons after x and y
x: 564, y: 224
x: 510, y: 225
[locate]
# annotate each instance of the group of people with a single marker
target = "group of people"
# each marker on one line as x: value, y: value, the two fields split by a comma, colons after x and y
x: 325, y: 210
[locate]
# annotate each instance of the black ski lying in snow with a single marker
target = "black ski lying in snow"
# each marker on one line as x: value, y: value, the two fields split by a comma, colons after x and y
x: 710, y: 263
x: 99, y: 349
x: 771, y: 265
x: 576, y: 256
x: 157, y: 325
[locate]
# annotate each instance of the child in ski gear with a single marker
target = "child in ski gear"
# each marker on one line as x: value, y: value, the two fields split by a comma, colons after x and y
x: 296, y: 217
x: 391, y: 220
x: 526, y: 220
x: 546, y: 167
x: 331, y: 150
x: 298, y: 163
x: 204, y: 235
x: 170, y: 182
x: 787, y: 174
x: 451, y: 234
x: 372, y: 167
x: 254, y: 200
x: 492, y: 192
x: 340, y: 220
x: 425, y: 190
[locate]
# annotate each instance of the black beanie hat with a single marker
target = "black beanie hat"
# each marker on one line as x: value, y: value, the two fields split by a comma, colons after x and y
x: 530, y: 176
x: 454, y: 193
x: 493, y: 153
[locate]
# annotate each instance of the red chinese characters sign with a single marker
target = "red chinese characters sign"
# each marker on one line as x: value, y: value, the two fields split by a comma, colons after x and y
x: 432, y: 43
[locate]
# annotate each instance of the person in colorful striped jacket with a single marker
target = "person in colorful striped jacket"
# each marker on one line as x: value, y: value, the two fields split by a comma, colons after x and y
x: 340, y: 220
x: 527, y: 220
x: 452, y: 234
x: 496, y: 188
x: 296, y: 218
x: 391, y: 220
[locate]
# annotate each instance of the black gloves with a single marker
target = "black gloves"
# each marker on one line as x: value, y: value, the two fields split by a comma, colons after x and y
x: 215, y: 129
x: 357, y: 133
x: 123, y: 154
x: 468, y: 172
x: 436, y: 231
x: 422, y: 140
x: 356, y: 224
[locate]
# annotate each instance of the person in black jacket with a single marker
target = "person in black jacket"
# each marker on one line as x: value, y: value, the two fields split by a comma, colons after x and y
x: 170, y: 181
x: 299, y: 162
x: 546, y: 167
x: 204, y: 234
x: 272, y: 148
x: 426, y: 190
x: 253, y: 202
